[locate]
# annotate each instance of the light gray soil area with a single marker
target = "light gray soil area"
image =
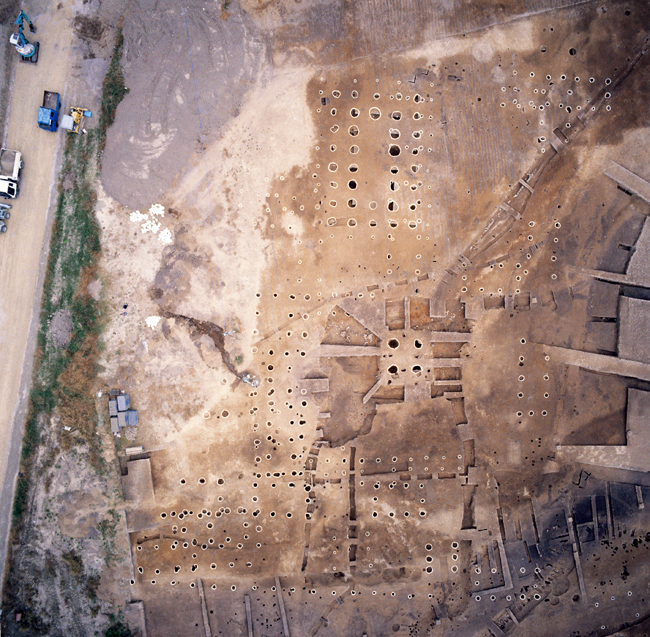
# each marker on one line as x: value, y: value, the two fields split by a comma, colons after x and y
x: 369, y: 275
x: 180, y: 95
x: 61, y: 328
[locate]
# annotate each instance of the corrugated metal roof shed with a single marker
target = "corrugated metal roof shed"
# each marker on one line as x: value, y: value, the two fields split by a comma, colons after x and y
x: 132, y: 417
x: 112, y: 407
x: 123, y: 402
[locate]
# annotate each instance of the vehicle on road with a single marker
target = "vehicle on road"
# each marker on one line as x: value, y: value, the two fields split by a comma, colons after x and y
x: 11, y: 164
x: 48, y: 114
x: 4, y: 215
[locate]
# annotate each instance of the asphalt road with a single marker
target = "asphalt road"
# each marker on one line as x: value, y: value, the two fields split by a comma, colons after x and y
x: 24, y: 247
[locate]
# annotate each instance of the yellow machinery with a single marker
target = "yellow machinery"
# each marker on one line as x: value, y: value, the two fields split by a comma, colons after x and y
x: 74, y: 121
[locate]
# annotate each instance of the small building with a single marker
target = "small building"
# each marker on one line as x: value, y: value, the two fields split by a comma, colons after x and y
x: 123, y: 402
x: 120, y: 412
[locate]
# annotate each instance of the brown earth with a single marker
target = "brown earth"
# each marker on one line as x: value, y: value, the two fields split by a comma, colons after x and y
x: 322, y: 186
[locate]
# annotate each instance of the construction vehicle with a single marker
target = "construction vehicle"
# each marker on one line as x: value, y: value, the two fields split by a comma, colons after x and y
x: 48, y: 114
x: 4, y: 215
x: 28, y: 52
x: 10, y: 166
x: 75, y: 120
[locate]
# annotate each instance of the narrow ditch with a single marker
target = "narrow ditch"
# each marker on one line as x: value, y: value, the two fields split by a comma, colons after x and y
x: 215, y: 332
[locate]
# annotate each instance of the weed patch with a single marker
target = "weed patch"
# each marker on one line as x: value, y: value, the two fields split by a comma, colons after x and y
x: 63, y: 384
x: 20, y: 498
x: 113, y: 89
x: 75, y: 562
x: 118, y: 629
x: 64, y: 377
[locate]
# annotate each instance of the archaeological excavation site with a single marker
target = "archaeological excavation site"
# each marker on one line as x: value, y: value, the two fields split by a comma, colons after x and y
x: 374, y: 357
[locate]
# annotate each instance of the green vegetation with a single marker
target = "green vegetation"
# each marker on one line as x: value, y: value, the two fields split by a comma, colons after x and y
x: 108, y: 530
x: 113, y: 88
x: 92, y: 586
x: 32, y: 437
x: 107, y: 527
x: 64, y: 377
x: 63, y: 384
x: 118, y: 629
x: 20, y: 498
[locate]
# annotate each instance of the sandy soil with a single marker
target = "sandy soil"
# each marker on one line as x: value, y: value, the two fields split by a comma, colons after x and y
x: 22, y: 257
x: 294, y: 228
x: 73, y: 510
x: 321, y: 194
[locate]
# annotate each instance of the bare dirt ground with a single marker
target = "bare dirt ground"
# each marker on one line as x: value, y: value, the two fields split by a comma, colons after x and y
x: 21, y: 251
x: 71, y: 534
x: 301, y: 202
x: 183, y: 95
x: 378, y: 212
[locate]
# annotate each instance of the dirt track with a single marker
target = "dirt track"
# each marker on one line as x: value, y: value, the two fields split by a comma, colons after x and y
x: 23, y: 247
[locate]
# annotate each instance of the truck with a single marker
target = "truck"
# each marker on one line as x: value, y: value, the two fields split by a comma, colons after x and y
x: 11, y: 164
x: 48, y: 114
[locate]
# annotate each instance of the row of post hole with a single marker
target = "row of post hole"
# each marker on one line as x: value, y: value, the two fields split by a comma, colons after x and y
x: 393, y: 223
x: 374, y: 114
